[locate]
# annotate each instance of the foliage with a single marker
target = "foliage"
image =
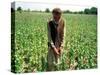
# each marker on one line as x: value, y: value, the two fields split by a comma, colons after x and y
x: 93, y: 10
x: 47, y: 10
x: 19, y: 9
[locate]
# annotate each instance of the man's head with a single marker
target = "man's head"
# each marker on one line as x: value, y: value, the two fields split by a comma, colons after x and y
x: 56, y: 13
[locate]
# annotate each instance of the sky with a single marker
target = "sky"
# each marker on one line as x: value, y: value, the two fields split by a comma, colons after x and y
x: 72, y: 5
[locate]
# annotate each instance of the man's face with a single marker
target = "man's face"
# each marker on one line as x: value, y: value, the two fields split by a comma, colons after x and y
x: 56, y: 16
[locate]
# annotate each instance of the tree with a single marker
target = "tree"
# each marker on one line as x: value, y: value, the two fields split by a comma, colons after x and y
x: 93, y: 10
x: 75, y: 12
x: 28, y: 10
x: 47, y: 10
x: 80, y: 12
x: 19, y: 9
x: 87, y: 11
x: 67, y: 11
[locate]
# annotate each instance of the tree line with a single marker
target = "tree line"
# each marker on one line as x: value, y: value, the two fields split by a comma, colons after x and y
x: 92, y: 10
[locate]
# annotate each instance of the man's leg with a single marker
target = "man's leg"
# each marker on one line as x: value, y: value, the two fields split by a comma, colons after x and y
x: 50, y: 60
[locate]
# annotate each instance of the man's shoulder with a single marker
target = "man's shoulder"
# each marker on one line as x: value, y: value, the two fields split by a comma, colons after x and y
x: 63, y: 19
x: 50, y: 21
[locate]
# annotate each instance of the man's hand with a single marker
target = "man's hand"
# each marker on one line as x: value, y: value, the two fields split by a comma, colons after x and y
x: 56, y: 51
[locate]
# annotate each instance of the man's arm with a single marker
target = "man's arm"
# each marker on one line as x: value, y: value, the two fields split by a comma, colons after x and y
x: 50, y: 42
x: 49, y: 36
x: 64, y: 35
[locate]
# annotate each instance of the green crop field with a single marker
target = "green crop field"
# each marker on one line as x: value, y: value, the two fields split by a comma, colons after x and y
x: 30, y: 54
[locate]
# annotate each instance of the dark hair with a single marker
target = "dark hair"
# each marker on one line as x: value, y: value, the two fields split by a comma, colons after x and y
x: 57, y: 11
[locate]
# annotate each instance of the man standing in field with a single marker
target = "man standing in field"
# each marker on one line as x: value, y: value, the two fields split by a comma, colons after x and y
x: 56, y: 32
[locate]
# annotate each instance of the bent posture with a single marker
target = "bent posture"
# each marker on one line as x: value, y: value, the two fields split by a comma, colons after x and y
x: 56, y: 31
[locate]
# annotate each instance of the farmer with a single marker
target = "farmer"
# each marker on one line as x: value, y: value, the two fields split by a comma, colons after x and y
x: 56, y: 32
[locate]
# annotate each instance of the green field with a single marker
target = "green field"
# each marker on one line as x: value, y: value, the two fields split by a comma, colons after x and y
x: 80, y: 51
